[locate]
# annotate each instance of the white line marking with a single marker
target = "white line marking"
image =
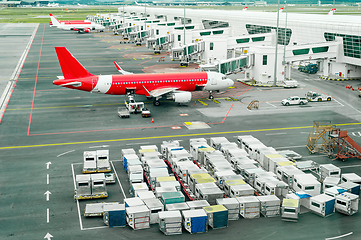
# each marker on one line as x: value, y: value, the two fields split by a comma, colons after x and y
x: 77, y: 201
x: 116, y: 175
x: 350, y: 166
x: 103, y: 146
x: 47, y: 165
x: 350, y: 106
x: 338, y: 102
x: 95, y: 228
x: 47, y: 179
x: 305, y: 132
x: 271, y: 104
x: 291, y: 147
x: 341, y: 236
x: 270, y: 134
x: 47, y: 215
x: 136, y: 143
x: 65, y: 153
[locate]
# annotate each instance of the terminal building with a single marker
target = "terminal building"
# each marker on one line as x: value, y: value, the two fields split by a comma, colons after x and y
x: 331, y: 41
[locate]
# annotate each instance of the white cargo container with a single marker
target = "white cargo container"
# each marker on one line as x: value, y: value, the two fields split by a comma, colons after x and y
x: 241, y: 190
x: 149, y: 147
x: 208, y: 191
x: 236, y: 153
x: 155, y: 206
x: 186, y: 176
x: 278, y: 188
x: 232, y: 181
x: 212, y: 156
x: 201, y: 153
x: 103, y: 161
x: 330, y: 182
x: 136, y: 187
x: 175, y: 184
x: 290, y: 210
x: 159, y: 163
x: 302, y: 197
x: 329, y: 170
x: 229, y: 178
x: 262, y: 150
x: 83, y: 187
x: 157, y: 172
x: 286, y: 174
x: 278, y: 162
x: 131, y: 160
x: 159, y: 180
x: 195, y: 221
x: 347, y: 203
x: 216, y: 142
x: 177, y: 206
x: 90, y: 164
x: 135, y: 174
x: 166, y: 144
x: 133, y: 202
x: 253, y: 149
x: 307, y: 183
x: 249, y: 207
x: 260, y: 183
x: 197, y: 204
x: 265, y: 159
x: 350, y: 177
x: 127, y: 151
x: 227, y: 146
x: 159, y: 190
x: 218, y: 176
x: 145, y: 195
x: 234, y: 161
x: 170, y: 222
x: 323, y: 205
x: 351, y: 187
x: 99, y: 189
x: 138, y: 217
x: 270, y: 205
x: 250, y: 175
x: 232, y: 205
x: 334, y: 191
x: 241, y: 168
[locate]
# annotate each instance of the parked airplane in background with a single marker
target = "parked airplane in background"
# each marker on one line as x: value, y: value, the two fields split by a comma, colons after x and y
x: 81, y: 26
x: 333, y: 10
x: 173, y: 86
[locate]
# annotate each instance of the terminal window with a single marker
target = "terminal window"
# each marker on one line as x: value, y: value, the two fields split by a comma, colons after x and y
x: 264, y: 60
x: 284, y: 34
x: 351, y: 43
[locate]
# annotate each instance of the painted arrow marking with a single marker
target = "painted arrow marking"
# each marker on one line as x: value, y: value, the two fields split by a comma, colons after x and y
x: 47, y: 165
x: 47, y: 193
x: 48, y: 236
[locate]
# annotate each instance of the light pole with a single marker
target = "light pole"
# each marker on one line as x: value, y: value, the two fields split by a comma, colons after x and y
x: 276, y: 52
x: 285, y: 44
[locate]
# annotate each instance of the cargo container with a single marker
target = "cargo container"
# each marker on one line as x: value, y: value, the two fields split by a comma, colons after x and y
x: 155, y: 207
x: 334, y: 191
x: 241, y: 168
x: 195, y: 221
x: 138, y: 217
x: 135, y: 187
x: 347, y: 203
x: 167, y: 144
x: 290, y: 210
x: 177, y: 206
x: 278, y: 188
x: 216, y: 142
x: 270, y: 205
x: 172, y: 197
x: 175, y: 184
x: 99, y: 189
x: 152, y: 164
x: 133, y: 202
x: 199, y: 178
x: 278, y: 162
x: 265, y: 159
x: 197, y: 204
x: 234, y: 161
x: 201, y: 153
x: 329, y: 170
x: 308, y: 183
x: 208, y: 191
x: 241, y: 190
x: 229, y: 146
x: 131, y: 160
x: 182, y: 167
x: 217, y: 216
x: 232, y: 182
x: 164, y: 179
x: 218, y: 176
x: 302, y: 197
x: 323, y: 205
x: 96, y: 209
x: 102, y: 157
x: 127, y: 151
x: 249, y: 206
x: 330, y: 182
x: 145, y: 195
x: 83, y: 187
x: 114, y: 215
x: 250, y: 174
x: 350, y: 177
x: 90, y: 164
x: 262, y: 151
x: 351, y: 187
x: 156, y: 172
x: 232, y: 206
x: 135, y: 174
x: 253, y: 149
x: 160, y: 190
x: 236, y: 153
x: 286, y: 174
x: 170, y: 222
x: 260, y: 183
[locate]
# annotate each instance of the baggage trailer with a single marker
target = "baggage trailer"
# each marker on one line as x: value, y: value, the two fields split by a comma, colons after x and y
x: 347, y: 203
x: 170, y: 222
x: 90, y: 164
x: 195, y: 221
x: 290, y: 210
x: 99, y: 189
x: 155, y: 206
x: 103, y: 161
x: 138, y: 217
x: 83, y: 187
x: 232, y: 205
x: 270, y: 205
x: 123, y: 112
x: 249, y: 207
x: 217, y: 216
x: 114, y: 215
x: 323, y: 205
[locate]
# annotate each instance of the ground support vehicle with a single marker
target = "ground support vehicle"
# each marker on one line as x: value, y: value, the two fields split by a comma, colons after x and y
x: 309, y: 68
x: 294, y: 100
x: 123, y: 112
x: 317, y: 97
x: 146, y: 112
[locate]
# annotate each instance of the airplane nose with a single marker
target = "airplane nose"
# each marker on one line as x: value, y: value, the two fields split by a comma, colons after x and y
x: 230, y: 82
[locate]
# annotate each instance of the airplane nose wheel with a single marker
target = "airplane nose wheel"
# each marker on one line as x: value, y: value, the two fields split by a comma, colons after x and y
x: 156, y: 103
x: 211, y: 95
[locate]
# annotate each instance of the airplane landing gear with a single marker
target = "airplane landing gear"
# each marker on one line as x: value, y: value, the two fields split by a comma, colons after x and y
x: 156, y: 101
x: 211, y: 95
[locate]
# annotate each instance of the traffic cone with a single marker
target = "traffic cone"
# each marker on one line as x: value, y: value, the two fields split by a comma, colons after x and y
x: 346, y: 86
x: 152, y: 120
x: 195, y: 103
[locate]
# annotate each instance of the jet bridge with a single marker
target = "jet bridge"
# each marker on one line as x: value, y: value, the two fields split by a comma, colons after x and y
x: 160, y: 43
x: 189, y: 52
x: 226, y: 66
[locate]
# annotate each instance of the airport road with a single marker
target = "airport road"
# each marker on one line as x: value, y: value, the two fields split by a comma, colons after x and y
x: 44, y: 123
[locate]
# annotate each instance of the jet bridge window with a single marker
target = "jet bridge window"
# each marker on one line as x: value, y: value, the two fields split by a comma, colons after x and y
x: 211, y: 45
x: 264, y: 62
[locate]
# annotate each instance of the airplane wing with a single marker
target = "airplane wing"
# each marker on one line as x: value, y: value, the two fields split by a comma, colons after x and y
x: 161, y: 91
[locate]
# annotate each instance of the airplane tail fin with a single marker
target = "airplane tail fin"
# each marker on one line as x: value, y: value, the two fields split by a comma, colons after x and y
x: 281, y: 10
x: 54, y: 20
x: 70, y: 66
x: 120, y: 69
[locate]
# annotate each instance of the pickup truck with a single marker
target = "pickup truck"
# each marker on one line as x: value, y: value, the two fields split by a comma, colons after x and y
x: 294, y: 100
x: 123, y: 112
x: 317, y: 97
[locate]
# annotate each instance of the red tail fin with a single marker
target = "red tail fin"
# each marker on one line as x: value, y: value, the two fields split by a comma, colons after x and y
x: 70, y: 67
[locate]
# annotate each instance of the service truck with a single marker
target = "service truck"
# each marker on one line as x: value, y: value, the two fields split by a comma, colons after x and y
x: 317, y: 97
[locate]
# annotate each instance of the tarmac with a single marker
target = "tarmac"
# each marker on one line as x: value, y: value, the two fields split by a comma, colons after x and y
x: 45, y: 130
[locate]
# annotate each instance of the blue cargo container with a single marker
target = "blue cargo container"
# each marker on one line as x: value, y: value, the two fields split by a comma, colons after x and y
x: 114, y: 215
x: 195, y: 221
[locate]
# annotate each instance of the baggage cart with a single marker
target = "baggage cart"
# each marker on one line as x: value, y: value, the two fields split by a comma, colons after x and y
x: 95, y: 209
x: 330, y: 182
x: 177, y: 206
x: 133, y: 202
x: 197, y: 204
x: 103, y: 161
x: 232, y: 205
x: 114, y: 215
x: 172, y: 197
x: 138, y: 217
x: 90, y: 164
x: 350, y: 177
x: 135, y: 174
x: 155, y: 207
x: 334, y: 191
x: 83, y: 187
x: 351, y: 187
x: 323, y: 205
x: 135, y: 187
x: 160, y: 190
x: 170, y: 222
x: 208, y: 191
x: 123, y: 112
x: 290, y: 210
x: 307, y: 183
x: 217, y: 216
x: 145, y: 195
x: 347, y: 203
x: 195, y: 221
x: 99, y: 189
x: 249, y: 207
x: 329, y: 170
x: 270, y: 205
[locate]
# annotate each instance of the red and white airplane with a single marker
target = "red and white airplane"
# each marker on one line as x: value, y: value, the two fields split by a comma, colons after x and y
x: 173, y: 86
x: 332, y: 12
x: 81, y: 26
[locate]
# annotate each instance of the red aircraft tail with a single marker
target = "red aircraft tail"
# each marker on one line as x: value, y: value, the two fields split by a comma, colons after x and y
x: 70, y: 66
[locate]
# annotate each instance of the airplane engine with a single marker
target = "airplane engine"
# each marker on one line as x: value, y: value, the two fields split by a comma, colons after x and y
x: 86, y: 30
x: 182, y: 97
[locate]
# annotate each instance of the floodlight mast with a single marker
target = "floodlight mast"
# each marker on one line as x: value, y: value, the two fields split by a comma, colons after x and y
x: 276, y: 52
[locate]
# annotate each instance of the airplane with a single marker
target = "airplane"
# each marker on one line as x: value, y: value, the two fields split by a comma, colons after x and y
x: 172, y: 86
x: 76, y: 25
x: 66, y: 21
x: 333, y: 10
x: 244, y: 9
